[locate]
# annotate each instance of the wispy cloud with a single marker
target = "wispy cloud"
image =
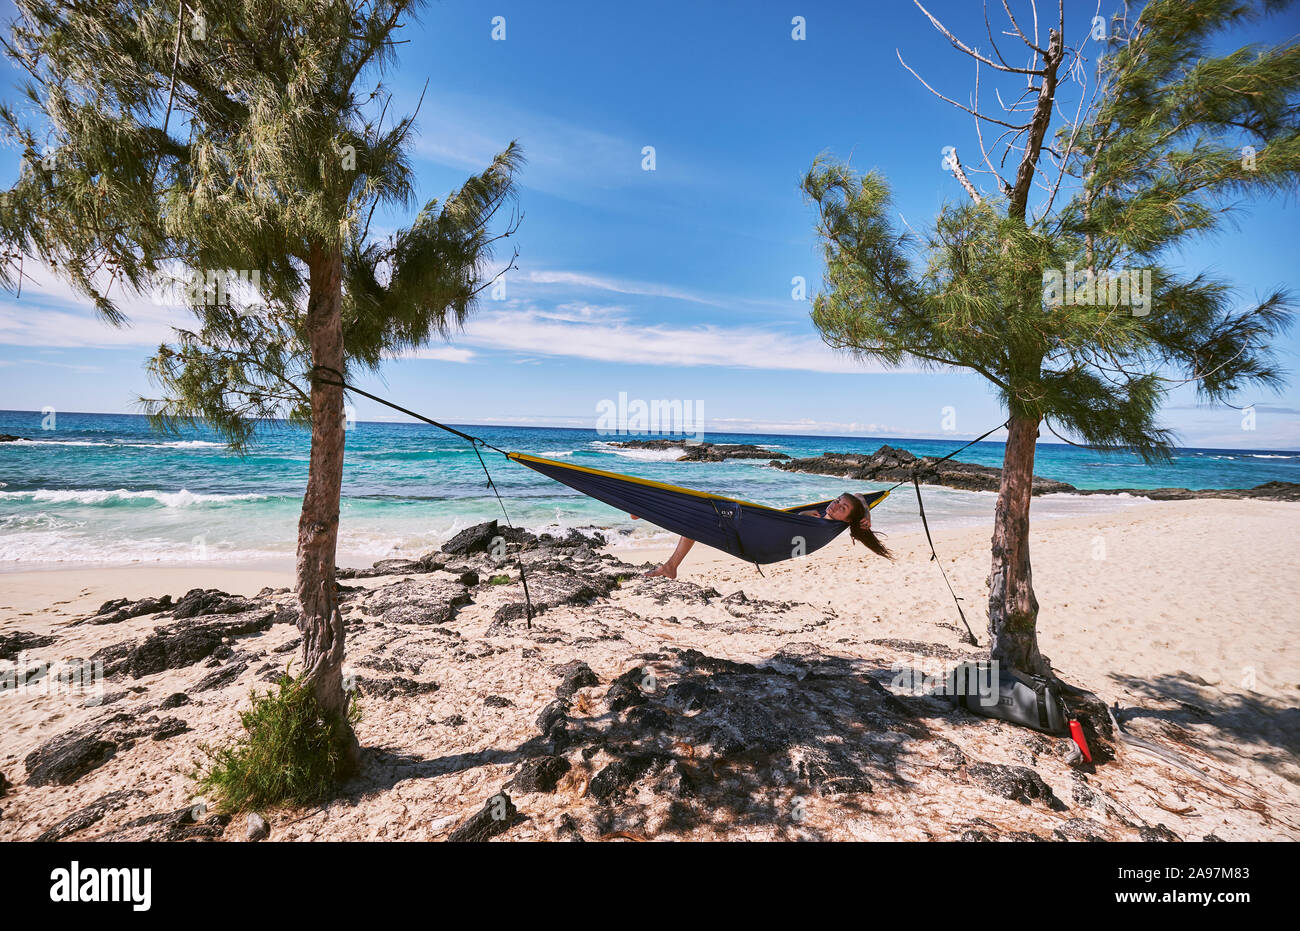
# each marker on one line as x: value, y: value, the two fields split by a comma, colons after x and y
x: 565, y: 159
x: 1259, y: 408
x: 51, y: 315
x: 614, y: 338
x: 623, y: 286
x: 70, y: 366
x: 440, y: 354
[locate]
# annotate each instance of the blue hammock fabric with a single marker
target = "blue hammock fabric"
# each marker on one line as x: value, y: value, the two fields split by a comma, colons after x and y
x: 753, y: 532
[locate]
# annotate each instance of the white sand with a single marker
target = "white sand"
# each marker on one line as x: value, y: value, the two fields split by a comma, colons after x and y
x: 1185, y: 611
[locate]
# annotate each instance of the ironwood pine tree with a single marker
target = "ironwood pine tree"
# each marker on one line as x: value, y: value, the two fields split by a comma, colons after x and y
x: 239, y: 151
x: 1037, y: 285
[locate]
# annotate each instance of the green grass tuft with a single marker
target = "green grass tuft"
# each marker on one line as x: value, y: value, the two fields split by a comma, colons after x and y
x: 499, y: 580
x: 288, y: 753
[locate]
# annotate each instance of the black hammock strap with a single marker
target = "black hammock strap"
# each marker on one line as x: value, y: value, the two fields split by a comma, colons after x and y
x: 474, y: 442
x: 920, y: 506
x: 934, y: 557
x: 957, y: 450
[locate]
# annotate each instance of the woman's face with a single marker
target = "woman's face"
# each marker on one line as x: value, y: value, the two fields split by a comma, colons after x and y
x: 839, y: 509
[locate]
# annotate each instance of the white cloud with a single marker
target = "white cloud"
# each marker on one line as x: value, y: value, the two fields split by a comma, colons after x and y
x: 440, y: 354
x: 51, y: 315
x: 565, y: 159
x: 615, y: 339
x: 624, y: 286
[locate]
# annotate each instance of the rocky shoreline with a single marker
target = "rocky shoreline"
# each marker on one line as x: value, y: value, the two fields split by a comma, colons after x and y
x: 704, y: 452
x: 888, y: 464
x: 603, y: 719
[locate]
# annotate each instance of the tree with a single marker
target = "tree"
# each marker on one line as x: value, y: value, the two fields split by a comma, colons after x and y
x: 1073, y: 310
x: 239, y: 152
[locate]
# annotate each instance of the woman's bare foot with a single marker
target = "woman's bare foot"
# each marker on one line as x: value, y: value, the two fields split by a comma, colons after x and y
x: 667, y: 570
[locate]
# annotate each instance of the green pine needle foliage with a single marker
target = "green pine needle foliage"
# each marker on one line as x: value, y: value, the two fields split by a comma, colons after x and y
x: 165, y: 141
x: 288, y: 754
x: 1174, y: 135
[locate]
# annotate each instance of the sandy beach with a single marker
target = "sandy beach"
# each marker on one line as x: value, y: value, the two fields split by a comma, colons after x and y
x: 1181, y: 613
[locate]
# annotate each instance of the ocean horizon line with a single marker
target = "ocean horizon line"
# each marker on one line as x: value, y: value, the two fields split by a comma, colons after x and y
x: 687, y: 437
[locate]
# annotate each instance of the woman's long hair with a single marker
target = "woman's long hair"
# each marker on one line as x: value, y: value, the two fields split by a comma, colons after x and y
x: 861, y: 533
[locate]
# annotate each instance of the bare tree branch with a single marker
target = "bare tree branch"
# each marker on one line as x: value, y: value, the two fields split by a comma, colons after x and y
x: 954, y: 164
x: 1038, y: 127
x: 1024, y: 38
x: 958, y: 44
x: 953, y: 102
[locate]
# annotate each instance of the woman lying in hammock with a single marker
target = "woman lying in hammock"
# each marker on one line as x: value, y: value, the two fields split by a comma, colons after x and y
x: 850, y: 508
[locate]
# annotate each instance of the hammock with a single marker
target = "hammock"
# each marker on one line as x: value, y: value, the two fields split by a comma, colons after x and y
x: 753, y: 532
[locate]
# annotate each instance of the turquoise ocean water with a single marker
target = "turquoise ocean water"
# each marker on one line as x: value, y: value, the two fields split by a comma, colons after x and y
x: 102, y: 489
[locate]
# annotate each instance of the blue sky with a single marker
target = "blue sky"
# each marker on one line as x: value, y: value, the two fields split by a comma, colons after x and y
x: 675, y: 283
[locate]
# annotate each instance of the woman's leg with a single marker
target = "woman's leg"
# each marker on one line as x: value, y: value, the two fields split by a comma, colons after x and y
x: 669, y: 569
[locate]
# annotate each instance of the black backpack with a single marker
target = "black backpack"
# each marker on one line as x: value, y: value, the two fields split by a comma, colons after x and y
x: 1022, y: 699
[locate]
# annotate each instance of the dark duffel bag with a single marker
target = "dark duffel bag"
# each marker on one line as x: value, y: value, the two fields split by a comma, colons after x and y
x: 1021, y: 699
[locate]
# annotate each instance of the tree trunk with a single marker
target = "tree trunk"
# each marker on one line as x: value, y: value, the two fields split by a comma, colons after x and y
x: 1013, y: 609
x: 320, y: 622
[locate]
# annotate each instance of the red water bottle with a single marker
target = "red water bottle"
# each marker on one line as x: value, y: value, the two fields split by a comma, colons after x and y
x: 1076, y: 733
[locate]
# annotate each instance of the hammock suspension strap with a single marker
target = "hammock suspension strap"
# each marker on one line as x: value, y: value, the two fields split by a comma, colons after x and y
x: 474, y: 442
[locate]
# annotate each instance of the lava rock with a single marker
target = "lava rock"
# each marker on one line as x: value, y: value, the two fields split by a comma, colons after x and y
x: 178, y: 645
x: 476, y: 539
x: 496, y: 816
x: 121, y: 609
x: 395, y: 687
x: 690, y: 695
x: 1019, y: 783
x: 649, y: 718
x: 675, y: 781
x: 170, y: 727
x: 577, y: 675
x: 616, y: 778
x: 700, y: 451
x: 65, y: 759
x: 508, y: 614
x: 198, y: 601
x: 540, y: 775
x: 19, y: 641
x: 950, y: 755
x: 219, y: 678
x: 1157, y: 832
x: 624, y: 691
x: 172, y: 651
x: 1080, y: 829
x: 833, y: 774
x: 93, y: 813
x: 180, y: 824
x: 892, y: 465
x: 566, y: 829
x: 411, y: 601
